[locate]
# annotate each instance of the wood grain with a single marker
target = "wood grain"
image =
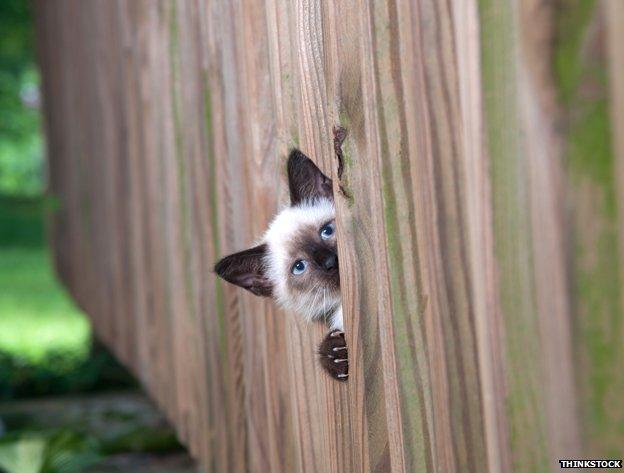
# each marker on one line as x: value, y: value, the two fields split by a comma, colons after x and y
x: 477, y: 233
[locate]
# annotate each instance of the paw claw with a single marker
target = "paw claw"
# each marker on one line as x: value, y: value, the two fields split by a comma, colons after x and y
x: 336, y: 366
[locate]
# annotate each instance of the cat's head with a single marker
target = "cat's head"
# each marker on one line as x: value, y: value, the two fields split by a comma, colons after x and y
x: 296, y: 261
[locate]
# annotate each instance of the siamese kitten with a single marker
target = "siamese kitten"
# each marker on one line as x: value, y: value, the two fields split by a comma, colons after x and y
x: 296, y: 261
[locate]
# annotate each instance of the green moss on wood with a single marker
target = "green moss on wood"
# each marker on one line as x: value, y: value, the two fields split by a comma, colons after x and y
x: 185, y: 219
x: 407, y: 302
x: 345, y: 185
x: 581, y: 84
x: 596, y: 283
x: 589, y: 153
x: 571, y: 18
x: 413, y: 388
x: 526, y: 414
x: 347, y: 159
x: 214, y: 213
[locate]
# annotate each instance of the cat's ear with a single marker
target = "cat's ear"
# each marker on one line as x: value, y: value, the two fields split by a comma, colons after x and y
x: 305, y: 180
x: 246, y: 269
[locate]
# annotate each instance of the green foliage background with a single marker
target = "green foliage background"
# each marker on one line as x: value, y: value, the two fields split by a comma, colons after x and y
x: 45, y: 340
x: 46, y: 347
x: 21, y: 155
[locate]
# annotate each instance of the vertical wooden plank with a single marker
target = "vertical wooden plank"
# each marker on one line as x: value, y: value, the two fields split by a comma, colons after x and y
x: 174, y: 160
x: 607, y: 438
x: 148, y: 313
x: 524, y: 151
x: 587, y: 61
x: 262, y: 345
x: 133, y: 25
x: 222, y: 327
x: 188, y: 126
x: 157, y: 193
x: 110, y: 69
x: 480, y: 238
x: 364, y: 269
x: 415, y: 123
x: 97, y: 141
x: 322, y: 410
x: 549, y: 237
x: 512, y: 246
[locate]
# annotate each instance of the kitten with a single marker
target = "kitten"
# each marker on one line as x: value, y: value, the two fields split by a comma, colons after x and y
x: 296, y: 261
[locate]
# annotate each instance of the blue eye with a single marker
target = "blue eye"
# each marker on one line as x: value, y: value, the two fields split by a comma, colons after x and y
x: 327, y: 231
x: 299, y: 267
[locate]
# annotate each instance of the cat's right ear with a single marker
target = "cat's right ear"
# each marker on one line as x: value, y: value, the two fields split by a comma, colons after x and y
x: 246, y: 269
x: 305, y: 179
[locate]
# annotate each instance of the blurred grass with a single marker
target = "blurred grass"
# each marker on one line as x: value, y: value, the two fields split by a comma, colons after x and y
x: 36, y: 315
x: 46, y: 345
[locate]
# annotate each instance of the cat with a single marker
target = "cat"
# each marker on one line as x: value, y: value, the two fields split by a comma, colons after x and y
x: 296, y: 261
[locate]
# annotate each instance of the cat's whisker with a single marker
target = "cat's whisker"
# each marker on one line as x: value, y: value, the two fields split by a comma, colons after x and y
x: 316, y: 293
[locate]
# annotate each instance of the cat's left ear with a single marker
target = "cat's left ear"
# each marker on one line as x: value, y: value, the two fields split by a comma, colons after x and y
x: 246, y: 269
x: 305, y: 180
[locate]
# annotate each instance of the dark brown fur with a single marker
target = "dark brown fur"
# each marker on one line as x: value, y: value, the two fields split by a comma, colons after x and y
x: 305, y: 180
x: 308, y: 245
x: 333, y: 355
x: 245, y: 269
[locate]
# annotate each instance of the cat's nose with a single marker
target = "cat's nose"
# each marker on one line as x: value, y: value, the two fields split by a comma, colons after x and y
x: 326, y: 259
x: 330, y: 262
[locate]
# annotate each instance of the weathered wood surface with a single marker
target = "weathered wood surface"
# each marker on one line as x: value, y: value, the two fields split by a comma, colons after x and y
x: 481, y: 229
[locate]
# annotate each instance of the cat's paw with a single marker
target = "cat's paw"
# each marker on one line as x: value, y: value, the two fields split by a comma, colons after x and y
x: 333, y: 355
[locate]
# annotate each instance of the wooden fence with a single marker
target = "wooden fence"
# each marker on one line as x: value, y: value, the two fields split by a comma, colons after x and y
x: 481, y: 232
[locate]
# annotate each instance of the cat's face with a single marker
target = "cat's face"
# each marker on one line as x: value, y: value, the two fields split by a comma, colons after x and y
x: 301, y: 258
x: 297, y: 261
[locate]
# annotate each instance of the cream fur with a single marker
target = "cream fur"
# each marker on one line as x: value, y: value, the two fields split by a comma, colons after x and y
x: 312, y: 305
